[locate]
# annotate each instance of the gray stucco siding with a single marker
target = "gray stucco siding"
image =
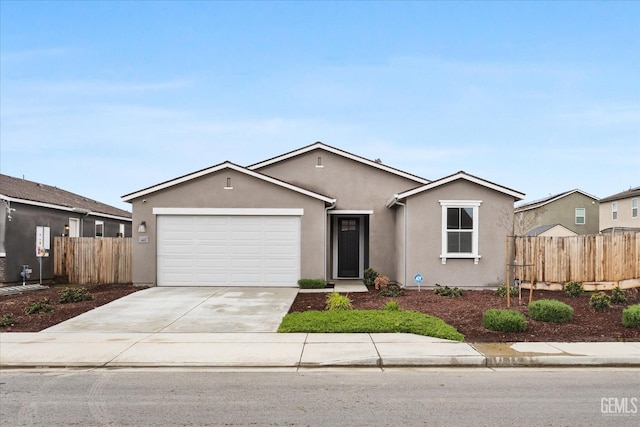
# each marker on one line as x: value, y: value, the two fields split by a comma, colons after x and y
x: 357, y: 187
x: 209, y: 192
x: 425, y: 237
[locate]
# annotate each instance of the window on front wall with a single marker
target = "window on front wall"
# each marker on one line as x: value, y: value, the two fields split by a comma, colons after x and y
x: 614, y: 211
x: 634, y: 208
x: 580, y: 216
x: 99, y: 229
x: 460, y: 229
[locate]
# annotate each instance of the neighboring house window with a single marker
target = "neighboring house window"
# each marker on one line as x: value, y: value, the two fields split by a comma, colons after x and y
x: 614, y: 211
x: 580, y: 216
x: 99, y: 229
x: 634, y: 208
x: 121, y: 230
x: 460, y: 229
x: 74, y: 227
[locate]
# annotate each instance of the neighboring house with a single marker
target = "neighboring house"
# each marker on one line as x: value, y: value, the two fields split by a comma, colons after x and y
x: 318, y: 212
x: 31, y: 214
x: 552, y: 230
x: 620, y: 211
x: 574, y: 210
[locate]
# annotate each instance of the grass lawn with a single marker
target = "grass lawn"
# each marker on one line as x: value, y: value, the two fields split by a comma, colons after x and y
x: 369, y: 321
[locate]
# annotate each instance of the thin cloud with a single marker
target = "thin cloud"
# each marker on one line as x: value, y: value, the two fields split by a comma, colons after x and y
x: 33, y: 54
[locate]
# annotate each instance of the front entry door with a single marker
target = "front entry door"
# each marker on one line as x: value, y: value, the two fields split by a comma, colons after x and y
x: 348, y: 247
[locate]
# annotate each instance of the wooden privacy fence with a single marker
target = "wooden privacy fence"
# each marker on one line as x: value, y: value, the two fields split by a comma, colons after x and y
x: 88, y: 260
x: 602, y: 258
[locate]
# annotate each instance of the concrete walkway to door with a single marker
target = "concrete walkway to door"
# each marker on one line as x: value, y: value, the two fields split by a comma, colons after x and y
x: 187, y: 309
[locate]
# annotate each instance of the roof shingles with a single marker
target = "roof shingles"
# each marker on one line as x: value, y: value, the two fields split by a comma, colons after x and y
x: 23, y: 189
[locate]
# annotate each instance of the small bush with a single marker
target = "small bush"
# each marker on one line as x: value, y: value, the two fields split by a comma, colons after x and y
x: 337, y: 302
x: 312, y: 283
x: 550, y: 310
x: 37, y: 307
x: 573, y: 289
x: 504, y: 320
x: 7, y: 320
x: 631, y: 316
x: 392, y: 306
x: 381, y: 282
x: 618, y: 296
x: 392, y: 291
x: 369, y: 277
x: 447, y: 291
x: 69, y: 295
x: 600, y: 301
x: 502, y: 291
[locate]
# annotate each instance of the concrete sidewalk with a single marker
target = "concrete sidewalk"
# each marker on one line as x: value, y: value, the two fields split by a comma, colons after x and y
x: 268, y: 350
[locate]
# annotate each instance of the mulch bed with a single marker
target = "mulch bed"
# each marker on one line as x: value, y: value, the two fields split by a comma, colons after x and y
x: 464, y: 313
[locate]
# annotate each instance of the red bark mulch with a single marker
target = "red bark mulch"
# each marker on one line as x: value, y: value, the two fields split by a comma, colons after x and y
x: 465, y: 314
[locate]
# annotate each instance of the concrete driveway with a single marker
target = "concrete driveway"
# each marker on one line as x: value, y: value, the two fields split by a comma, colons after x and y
x: 185, y: 309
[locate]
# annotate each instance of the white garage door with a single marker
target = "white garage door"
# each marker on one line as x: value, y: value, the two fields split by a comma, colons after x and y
x: 201, y: 250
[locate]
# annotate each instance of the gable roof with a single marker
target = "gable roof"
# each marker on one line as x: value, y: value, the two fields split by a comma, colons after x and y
x: 541, y: 202
x: 20, y: 190
x: 632, y: 192
x: 217, y: 168
x: 454, y: 177
x: 321, y: 146
x: 544, y: 228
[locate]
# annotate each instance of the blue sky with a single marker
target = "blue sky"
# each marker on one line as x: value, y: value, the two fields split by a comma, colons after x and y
x: 106, y: 98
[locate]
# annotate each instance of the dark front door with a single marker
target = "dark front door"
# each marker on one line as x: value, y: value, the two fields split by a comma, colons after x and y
x: 348, y: 247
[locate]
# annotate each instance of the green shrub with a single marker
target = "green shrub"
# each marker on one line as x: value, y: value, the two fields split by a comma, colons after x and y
x: 36, y: 307
x: 392, y: 306
x: 447, y: 291
x: 69, y: 295
x: 573, y: 289
x: 600, y: 301
x: 312, y: 283
x: 631, y: 316
x: 369, y: 277
x: 369, y: 321
x: 502, y: 291
x: 392, y: 291
x: 618, y: 296
x: 504, y: 320
x: 550, y: 310
x: 7, y: 320
x: 337, y: 302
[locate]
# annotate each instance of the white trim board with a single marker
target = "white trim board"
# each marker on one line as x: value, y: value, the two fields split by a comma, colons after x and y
x: 222, y: 166
x: 228, y: 211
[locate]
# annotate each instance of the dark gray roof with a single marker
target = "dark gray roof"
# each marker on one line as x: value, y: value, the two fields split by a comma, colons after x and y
x: 30, y: 191
x: 632, y: 192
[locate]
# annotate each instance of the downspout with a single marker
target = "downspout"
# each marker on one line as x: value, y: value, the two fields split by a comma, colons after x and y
x: 326, y: 218
x: 404, y: 251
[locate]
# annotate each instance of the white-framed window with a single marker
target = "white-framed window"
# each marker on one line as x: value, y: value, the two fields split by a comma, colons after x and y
x: 614, y: 211
x: 99, y: 228
x: 634, y: 208
x: 460, y: 225
x: 581, y: 216
x: 120, y: 230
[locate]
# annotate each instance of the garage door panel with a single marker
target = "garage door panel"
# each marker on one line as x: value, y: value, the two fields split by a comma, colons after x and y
x: 228, y: 250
